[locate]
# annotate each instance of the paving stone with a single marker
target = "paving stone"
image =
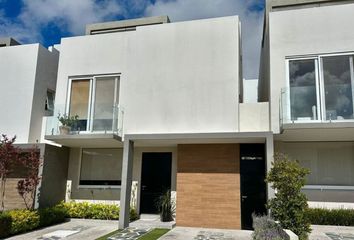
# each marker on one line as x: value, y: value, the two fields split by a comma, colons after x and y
x: 129, y: 234
x: 340, y: 236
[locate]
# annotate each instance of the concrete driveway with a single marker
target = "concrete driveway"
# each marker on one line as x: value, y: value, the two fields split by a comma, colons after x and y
x: 321, y: 232
x: 74, y: 229
x: 187, y: 233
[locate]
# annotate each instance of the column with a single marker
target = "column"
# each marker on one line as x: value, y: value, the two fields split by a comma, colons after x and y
x: 270, y: 160
x: 125, y: 192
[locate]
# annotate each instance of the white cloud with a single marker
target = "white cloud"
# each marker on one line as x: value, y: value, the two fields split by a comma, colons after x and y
x: 72, y: 16
x: 69, y: 15
x: 179, y: 10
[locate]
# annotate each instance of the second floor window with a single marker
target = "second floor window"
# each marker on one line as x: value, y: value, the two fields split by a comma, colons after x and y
x: 94, y: 101
x: 321, y: 88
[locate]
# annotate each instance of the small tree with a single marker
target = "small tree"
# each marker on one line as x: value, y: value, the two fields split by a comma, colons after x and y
x: 27, y: 187
x: 290, y: 204
x: 9, y: 156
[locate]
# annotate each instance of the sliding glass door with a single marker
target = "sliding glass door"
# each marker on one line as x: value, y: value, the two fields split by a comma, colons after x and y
x: 95, y: 101
x: 338, y: 88
x: 321, y: 88
x: 304, y: 102
x: 80, y: 102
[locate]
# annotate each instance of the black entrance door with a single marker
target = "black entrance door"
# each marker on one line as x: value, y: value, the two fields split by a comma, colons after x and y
x: 253, y: 186
x: 155, y: 179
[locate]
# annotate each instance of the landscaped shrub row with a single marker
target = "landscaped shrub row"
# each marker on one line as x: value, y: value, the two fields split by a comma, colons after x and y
x: 19, y: 221
x: 339, y: 217
x: 94, y: 211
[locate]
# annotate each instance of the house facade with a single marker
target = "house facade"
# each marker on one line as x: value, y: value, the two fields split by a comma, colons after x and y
x: 28, y: 83
x: 307, y: 77
x: 159, y: 106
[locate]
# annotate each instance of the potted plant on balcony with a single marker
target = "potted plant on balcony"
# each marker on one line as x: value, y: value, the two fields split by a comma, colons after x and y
x: 66, y: 123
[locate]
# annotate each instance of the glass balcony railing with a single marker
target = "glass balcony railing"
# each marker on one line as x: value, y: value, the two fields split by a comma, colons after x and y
x: 104, y: 119
x: 304, y: 105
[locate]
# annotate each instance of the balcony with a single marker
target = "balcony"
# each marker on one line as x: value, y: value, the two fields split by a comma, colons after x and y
x: 301, y: 105
x: 101, y: 128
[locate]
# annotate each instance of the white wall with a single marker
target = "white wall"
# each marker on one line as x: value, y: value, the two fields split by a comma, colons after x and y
x: 177, y: 77
x: 24, y: 78
x: 17, y: 70
x: 317, y: 30
x: 250, y: 90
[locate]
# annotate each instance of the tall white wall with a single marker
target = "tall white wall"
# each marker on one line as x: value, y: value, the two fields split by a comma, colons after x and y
x: 17, y: 71
x: 26, y: 71
x: 177, y: 77
x: 317, y: 30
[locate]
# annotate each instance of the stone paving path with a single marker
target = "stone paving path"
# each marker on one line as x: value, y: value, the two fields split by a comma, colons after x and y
x: 129, y: 234
x: 207, y: 235
x: 340, y: 236
x: 185, y: 233
x: 322, y: 232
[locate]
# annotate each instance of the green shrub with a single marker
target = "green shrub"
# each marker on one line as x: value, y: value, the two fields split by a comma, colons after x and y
x: 51, y: 216
x: 165, y: 207
x: 23, y: 220
x: 266, y: 228
x: 133, y: 215
x: 94, y: 211
x: 339, y: 217
x: 5, y: 225
x: 289, y: 206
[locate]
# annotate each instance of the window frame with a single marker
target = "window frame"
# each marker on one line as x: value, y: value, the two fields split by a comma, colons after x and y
x: 91, y: 101
x: 49, y: 112
x: 320, y: 88
x: 318, y: 98
x: 83, y: 186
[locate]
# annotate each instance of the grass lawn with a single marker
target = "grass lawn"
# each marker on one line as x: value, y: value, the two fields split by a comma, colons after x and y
x: 152, y: 235
x: 108, y: 235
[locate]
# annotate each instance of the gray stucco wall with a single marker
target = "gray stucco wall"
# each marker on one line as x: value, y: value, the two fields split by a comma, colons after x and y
x: 55, y: 171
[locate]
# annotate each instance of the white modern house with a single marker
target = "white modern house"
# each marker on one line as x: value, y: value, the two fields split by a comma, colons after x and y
x: 28, y: 82
x: 307, y: 76
x: 159, y: 107
x: 156, y: 106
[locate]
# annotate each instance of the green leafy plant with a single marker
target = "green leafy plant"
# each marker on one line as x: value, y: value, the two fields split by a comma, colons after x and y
x: 94, y: 211
x: 266, y: 228
x: 23, y: 220
x: 51, y: 216
x: 5, y: 225
x: 289, y: 206
x: 166, y: 207
x: 68, y: 121
x: 339, y: 217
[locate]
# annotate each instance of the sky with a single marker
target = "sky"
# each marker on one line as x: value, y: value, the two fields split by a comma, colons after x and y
x: 47, y: 21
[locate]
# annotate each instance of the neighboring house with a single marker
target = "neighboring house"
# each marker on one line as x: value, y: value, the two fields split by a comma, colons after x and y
x: 307, y: 77
x: 159, y: 105
x: 28, y: 83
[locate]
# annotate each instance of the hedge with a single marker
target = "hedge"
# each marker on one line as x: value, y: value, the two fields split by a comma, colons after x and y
x: 19, y: 221
x: 5, y: 225
x: 338, y: 217
x: 94, y: 211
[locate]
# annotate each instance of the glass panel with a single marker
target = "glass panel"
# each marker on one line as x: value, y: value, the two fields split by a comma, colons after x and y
x: 338, y: 87
x: 303, y: 98
x: 104, y: 104
x: 79, y: 102
x: 101, y: 166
